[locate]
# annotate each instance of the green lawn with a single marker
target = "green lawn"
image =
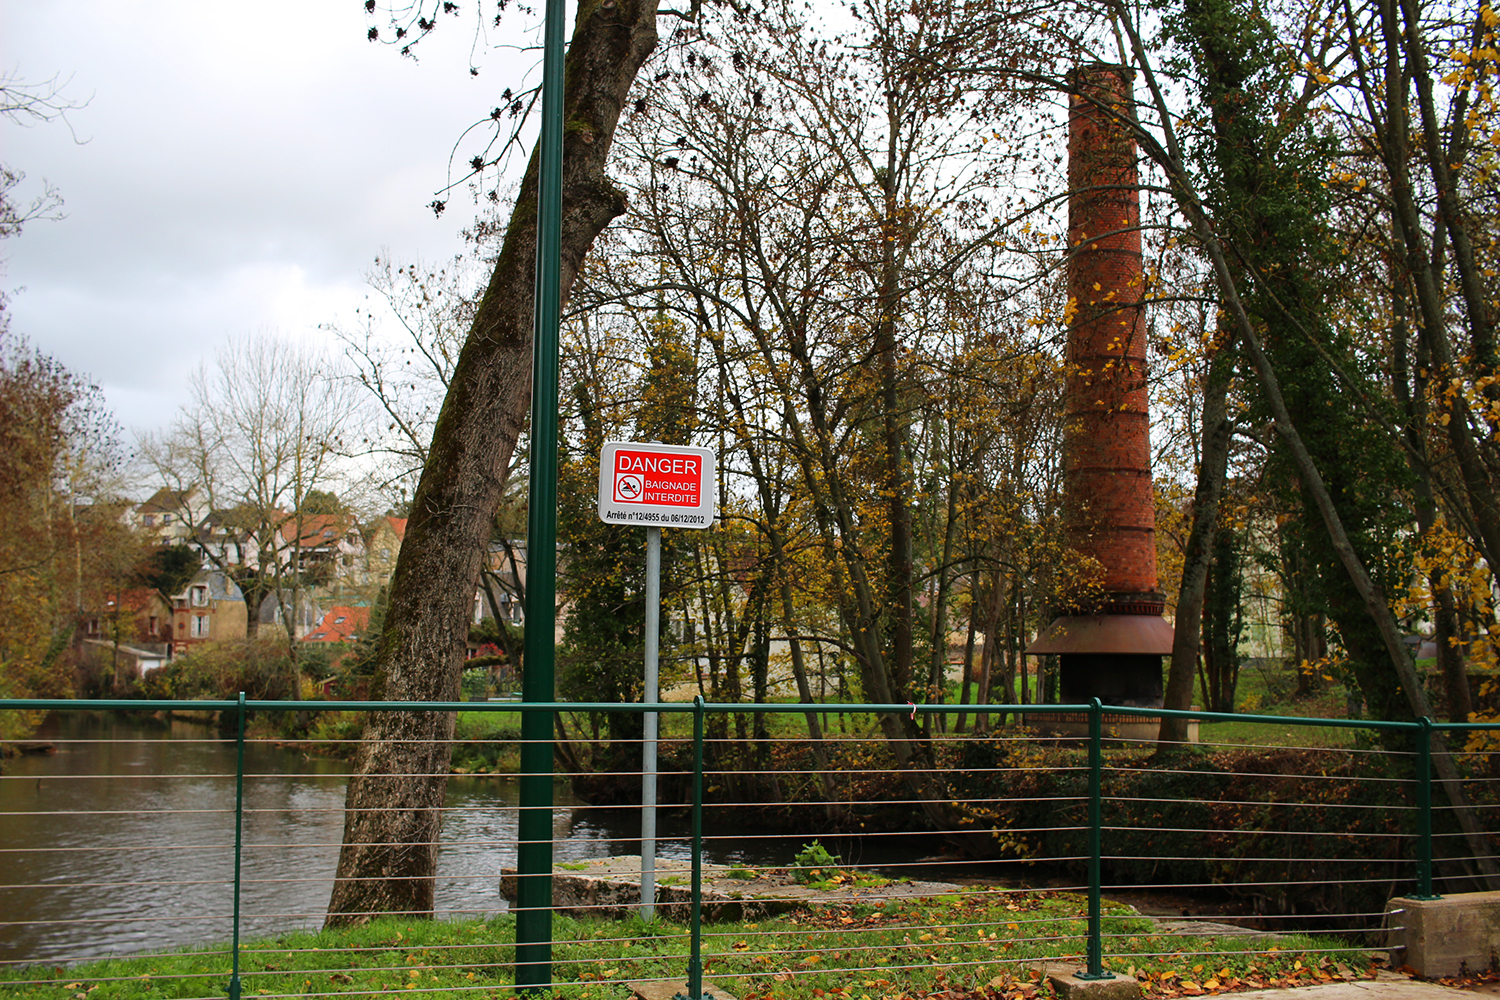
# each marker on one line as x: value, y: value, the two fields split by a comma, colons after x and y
x: 981, y: 938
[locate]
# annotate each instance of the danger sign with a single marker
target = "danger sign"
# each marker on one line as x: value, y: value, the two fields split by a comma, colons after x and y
x: 670, y: 486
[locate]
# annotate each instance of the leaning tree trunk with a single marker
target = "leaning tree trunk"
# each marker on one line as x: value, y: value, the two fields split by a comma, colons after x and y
x: 1212, y: 467
x: 393, y: 809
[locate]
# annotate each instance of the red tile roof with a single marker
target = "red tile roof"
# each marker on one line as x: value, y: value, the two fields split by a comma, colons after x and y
x: 340, y: 624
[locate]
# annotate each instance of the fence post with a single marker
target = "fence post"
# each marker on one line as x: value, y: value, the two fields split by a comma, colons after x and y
x: 695, y: 956
x: 533, y: 904
x: 1424, y: 811
x: 1095, y: 968
x: 239, y: 840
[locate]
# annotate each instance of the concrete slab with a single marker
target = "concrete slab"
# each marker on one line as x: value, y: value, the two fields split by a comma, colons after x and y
x: 1451, y: 936
x: 612, y: 887
x: 667, y: 989
x: 1387, y: 987
x: 1069, y: 986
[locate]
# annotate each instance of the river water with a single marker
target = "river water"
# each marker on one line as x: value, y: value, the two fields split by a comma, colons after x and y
x: 123, y: 840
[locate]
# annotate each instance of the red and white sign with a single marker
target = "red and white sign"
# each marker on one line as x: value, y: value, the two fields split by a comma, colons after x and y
x: 668, y: 486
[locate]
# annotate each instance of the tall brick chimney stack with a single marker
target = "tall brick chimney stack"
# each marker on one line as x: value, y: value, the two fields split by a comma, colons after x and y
x: 1111, y: 649
x: 1107, y: 457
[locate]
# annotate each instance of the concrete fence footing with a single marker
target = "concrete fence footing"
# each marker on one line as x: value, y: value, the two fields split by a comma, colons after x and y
x: 1448, y: 936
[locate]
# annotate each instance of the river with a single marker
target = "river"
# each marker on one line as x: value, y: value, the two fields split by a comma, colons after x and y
x: 123, y: 840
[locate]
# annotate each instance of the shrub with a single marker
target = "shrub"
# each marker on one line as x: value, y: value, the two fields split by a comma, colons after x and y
x: 814, y: 864
x: 476, y: 684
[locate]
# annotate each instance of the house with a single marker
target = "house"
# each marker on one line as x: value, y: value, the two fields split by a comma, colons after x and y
x: 505, y: 574
x: 275, y: 607
x: 124, y: 660
x: 136, y: 615
x: 211, y: 608
x: 169, y: 516
x: 382, y: 547
x: 326, y: 548
x: 340, y: 624
x: 225, y: 543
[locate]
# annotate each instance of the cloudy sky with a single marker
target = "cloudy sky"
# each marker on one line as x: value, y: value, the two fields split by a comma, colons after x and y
x: 236, y: 169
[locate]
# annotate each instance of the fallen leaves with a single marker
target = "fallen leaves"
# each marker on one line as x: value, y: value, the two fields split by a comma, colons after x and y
x: 1172, y: 984
x: 1169, y: 983
x: 1470, y: 982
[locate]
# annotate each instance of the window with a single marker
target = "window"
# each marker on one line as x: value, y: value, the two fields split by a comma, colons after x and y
x: 200, y: 597
x: 166, y: 519
x: 149, y: 520
x: 340, y: 620
x: 152, y: 625
x: 200, y: 626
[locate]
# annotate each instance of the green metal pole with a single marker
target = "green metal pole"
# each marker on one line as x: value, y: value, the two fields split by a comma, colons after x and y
x: 1095, y: 968
x: 534, y: 861
x: 651, y: 694
x: 1424, y: 810
x: 239, y: 841
x: 695, y: 957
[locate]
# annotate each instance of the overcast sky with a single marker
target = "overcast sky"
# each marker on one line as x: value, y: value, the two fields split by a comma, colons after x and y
x: 238, y: 168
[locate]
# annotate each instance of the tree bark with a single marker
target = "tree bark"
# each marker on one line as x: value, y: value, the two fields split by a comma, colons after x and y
x: 1411, y: 384
x: 1212, y: 467
x: 393, y: 808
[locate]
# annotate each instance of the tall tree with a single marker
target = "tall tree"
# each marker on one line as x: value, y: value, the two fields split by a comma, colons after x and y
x: 60, y: 553
x: 1258, y: 198
x: 407, y: 378
x: 395, y: 796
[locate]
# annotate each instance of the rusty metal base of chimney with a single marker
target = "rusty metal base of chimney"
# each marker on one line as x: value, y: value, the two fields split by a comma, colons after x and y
x: 1115, y: 658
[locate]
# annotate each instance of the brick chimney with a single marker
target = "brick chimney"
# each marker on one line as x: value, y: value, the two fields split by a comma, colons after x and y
x: 1107, y: 449
x: 1111, y: 649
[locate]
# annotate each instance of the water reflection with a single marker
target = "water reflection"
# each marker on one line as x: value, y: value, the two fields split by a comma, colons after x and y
x: 123, y: 840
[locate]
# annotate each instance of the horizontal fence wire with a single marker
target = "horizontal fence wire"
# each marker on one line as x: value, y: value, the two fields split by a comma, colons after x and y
x: 822, y: 862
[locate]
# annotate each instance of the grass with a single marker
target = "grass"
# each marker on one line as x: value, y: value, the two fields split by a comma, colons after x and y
x: 977, y: 940
x: 1267, y: 692
x: 487, y: 743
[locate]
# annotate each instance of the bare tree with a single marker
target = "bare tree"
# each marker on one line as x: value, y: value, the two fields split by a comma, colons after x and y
x: 23, y: 103
x: 264, y: 429
x: 407, y: 377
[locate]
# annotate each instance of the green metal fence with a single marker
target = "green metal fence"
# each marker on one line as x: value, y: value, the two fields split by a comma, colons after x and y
x: 1092, y: 812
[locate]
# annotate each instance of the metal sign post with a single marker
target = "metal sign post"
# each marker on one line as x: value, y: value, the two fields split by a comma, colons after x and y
x: 650, y: 695
x: 657, y: 485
